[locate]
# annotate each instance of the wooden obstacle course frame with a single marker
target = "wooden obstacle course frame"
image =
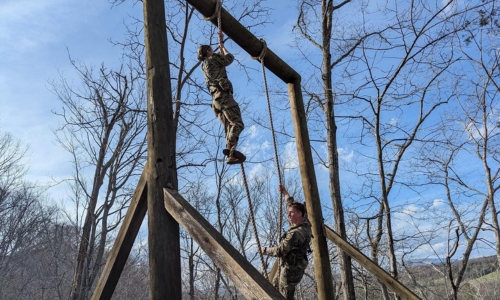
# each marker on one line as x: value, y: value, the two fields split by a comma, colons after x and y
x: 159, y: 170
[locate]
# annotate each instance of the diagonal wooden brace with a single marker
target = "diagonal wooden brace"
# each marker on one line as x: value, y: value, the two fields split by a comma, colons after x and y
x: 245, y: 277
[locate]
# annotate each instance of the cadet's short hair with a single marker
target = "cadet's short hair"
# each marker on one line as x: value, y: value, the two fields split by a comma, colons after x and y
x: 202, y: 52
x: 299, y: 206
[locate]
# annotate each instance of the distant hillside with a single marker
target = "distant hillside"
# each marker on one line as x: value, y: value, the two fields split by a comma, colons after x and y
x: 476, y: 267
x: 481, y: 279
x: 479, y: 267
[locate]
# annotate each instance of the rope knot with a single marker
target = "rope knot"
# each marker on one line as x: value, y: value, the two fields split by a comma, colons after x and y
x: 217, y: 11
x: 262, y: 54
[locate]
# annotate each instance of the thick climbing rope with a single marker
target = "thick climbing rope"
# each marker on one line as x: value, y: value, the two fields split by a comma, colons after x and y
x: 217, y: 13
x: 218, y: 6
x: 261, y: 59
x: 252, y: 217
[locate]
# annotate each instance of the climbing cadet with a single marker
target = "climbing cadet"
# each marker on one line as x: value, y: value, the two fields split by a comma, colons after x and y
x: 223, y: 104
x: 292, y: 249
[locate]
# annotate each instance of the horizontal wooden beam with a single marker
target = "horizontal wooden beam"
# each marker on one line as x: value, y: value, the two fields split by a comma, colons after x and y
x: 123, y: 243
x: 371, y: 266
x: 246, y: 40
x: 245, y: 277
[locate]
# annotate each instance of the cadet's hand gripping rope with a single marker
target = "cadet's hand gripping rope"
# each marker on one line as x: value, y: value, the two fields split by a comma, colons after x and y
x: 217, y: 13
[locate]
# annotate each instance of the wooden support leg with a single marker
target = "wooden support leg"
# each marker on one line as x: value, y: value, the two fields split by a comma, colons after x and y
x: 372, y: 267
x: 251, y: 283
x: 123, y: 244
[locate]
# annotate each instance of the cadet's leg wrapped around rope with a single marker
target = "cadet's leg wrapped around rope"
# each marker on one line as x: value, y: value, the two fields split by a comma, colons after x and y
x: 234, y: 126
x: 229, y: 114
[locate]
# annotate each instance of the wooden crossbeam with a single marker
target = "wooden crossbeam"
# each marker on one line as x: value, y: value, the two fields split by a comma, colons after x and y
x: 246, y: 40
x: 371, y: 266
x: 245, y: 277
x: 123, y: 243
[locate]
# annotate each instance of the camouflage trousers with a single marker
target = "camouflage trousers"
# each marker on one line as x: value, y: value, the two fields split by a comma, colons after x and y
x: 289, y: 277
x: 229, y: 114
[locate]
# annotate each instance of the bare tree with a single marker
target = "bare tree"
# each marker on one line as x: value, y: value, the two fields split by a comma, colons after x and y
x: 103, y: 128
x: 393, y: 77
x: 479, y: 105
x: 305, y: 23
x: 12, y: 167
x: 470, y: 133
x: 200, y: 196
x: 462, y: 221
x: 25, y: 215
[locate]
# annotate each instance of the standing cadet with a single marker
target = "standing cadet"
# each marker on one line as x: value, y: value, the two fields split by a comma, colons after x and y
x: 292, y: 249
x: 225, y: 107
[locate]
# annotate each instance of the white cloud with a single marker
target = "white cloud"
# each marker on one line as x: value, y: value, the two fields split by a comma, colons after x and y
x: 430, y: 250
x: 256, y: 171
x: 290, y: 158
x: 253, y: 147
x: 438, y: 203
x: 345, y: 154
x: 253, y: 130
x: 411, y: 209
x: 393, y: 121
x: 451, y: 8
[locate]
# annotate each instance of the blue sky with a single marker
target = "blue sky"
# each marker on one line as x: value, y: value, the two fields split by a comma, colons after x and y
x: 36, y: 38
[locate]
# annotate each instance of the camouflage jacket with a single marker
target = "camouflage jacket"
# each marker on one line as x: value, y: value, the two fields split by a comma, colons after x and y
x: 214, y: 70
x: 294, y: 244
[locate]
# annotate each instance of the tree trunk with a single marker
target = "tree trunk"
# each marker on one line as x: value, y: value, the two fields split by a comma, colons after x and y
x: 333, y: 160
x: 77, y: 291
x: 375, y: 245
x: 493, y: 210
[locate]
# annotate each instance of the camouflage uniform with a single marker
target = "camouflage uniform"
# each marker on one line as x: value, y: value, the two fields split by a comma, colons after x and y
x: 292, y: 253
x: 225, y: 107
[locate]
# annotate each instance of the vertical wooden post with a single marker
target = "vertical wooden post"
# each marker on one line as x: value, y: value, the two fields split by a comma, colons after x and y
x: 322, y: 268
x: 163, y: 230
